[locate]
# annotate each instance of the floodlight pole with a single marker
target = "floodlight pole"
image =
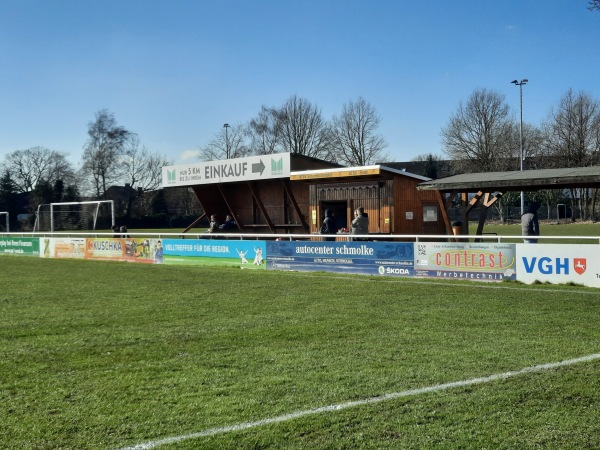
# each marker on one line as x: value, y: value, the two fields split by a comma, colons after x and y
x: 226, y: 126
x: 520, y: 84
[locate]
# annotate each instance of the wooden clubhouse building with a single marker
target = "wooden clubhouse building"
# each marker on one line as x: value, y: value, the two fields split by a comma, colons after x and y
x: 288, y: 193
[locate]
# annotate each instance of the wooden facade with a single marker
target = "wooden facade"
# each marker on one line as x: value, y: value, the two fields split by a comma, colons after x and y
x: 389, y: 197
x: 262, y: 206
x: 269, y: 206
x: 296, y: 204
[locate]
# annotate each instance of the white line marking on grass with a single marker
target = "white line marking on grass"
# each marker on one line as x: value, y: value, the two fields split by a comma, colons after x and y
x: 457, y: 284
x: 340, y: 406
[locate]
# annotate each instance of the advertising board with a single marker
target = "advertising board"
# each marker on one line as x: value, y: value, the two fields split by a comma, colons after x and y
x: 246, y: 254
x: 63, y: 247
x: 467, y: 261
x: 20, y: 246
x: 260, y: 167
x: 559, y: 263
x: 142, y: 250
x: 368, y: 258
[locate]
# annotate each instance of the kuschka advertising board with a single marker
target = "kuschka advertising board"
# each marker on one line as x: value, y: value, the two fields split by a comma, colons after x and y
x: 559, y: 263
x: 139, y: 250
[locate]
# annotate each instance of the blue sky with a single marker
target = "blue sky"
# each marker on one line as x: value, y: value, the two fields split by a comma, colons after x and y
x: 174, y: 71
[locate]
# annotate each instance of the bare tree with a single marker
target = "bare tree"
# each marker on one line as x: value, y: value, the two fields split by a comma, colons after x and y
x: 573, y: 131
x: 141, y: 170
x: 229, y: 143
x: 354, y: 134
x: 304, y: 131
x: 594, y: 5
x: 573, y: 138
x: 265, y: 132
x: 29, y: 167
x: 481, y: 135
x: 103, y: 150
x: 535, y: 151
x: 9, y: 198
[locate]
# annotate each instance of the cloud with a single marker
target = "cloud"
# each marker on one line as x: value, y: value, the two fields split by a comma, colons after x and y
x: 189, y: 154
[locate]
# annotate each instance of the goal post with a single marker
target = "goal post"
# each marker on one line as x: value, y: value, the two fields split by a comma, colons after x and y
x: 5, y: 213
x: 74, y: 215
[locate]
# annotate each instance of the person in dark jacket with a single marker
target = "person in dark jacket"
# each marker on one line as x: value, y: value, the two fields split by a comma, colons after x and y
x: 328, y: 225
x: 229, y: 224
x: 529, y: 223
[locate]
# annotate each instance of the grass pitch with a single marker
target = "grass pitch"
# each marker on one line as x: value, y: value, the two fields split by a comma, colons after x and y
x: 109, y: 355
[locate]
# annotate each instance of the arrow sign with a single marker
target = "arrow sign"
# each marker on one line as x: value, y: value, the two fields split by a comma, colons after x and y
x: 260, y: 167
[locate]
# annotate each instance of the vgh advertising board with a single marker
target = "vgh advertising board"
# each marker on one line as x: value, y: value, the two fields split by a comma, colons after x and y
x: 559, y: 263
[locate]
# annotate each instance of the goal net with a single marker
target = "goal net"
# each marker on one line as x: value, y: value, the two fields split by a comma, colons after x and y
x: 90, y: 215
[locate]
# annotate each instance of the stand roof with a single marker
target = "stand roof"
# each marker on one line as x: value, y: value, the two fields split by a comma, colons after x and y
x: 527, y: 180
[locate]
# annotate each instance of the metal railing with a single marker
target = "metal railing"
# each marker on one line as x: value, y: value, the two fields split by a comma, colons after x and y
x: 489, y: 238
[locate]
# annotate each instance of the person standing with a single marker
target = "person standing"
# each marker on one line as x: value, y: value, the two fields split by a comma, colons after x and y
x: 360, y: 224
x: 214, y: 224
x: 529, y: 223
x: 123, y: 231
x: 158, y: 253
x: 328, y: 225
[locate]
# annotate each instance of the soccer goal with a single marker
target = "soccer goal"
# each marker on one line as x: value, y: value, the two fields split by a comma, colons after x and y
x: 7, y: 227
x: 90, y: 215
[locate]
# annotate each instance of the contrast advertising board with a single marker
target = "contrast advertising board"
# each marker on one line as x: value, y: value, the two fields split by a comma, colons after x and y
x: 368, y: 258
x: 62, y: 247
x: 238, y: 253
x: 465, y: 261
x: 20, y: 246
x: 559, y: 263
x: 142, y: 250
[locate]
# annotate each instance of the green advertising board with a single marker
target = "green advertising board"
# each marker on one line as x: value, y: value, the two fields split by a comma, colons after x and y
x: 20, y: 246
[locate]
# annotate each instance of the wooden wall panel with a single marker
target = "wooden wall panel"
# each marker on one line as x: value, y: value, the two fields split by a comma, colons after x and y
x: 393, y: 204
x: 375, y: 196
x: 410, y: 202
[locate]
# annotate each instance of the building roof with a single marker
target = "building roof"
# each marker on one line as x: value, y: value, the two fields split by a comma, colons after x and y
x: 350, y: 172
x: 442, y: 168
x: 526, y: 180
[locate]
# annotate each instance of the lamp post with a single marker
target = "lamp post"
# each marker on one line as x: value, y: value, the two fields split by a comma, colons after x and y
x: 520, y: 84
x: 226, y: 126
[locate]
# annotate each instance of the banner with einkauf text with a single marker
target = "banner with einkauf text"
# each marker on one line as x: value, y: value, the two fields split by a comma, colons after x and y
x: 367, y: 258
